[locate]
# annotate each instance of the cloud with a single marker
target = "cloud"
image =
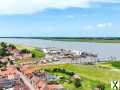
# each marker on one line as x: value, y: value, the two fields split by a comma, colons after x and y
x: 104, y: 25
x: 100, y: 25
x: 34, y: 6
x: 88, y: 27
x: 71, y: 16
x: 107, y: 1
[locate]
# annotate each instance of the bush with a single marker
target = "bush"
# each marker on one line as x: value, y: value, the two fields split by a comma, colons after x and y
x: 101, y: 86
x: 116, y: 64
x: 4, y: 52
x: 77, y: 83
x: 25, y: 51
x: 12, y: 46
x: 55, y: 70
x: 70, y: 73
x: 47, y: 70
x: 62, y: 70
x: 3, y: 45
x: 38, y: 53
x: 33, y: 55
x: 70, y: 81
x: 3, y: 64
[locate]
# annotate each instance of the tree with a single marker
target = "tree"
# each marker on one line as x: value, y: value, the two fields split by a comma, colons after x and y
x: 12, y: 46
x: 25, y: 51
x: 77, y: 83
x: 3, y: 64
x: 33, y: 55
x: 11, y: 62
x: 3, y: 45
x: 4, y: 52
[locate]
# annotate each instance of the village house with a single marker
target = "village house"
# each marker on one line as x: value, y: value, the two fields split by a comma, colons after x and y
x: 9, y: 72
x: 8, y: 77
x: 44, y: 85
x: 40, y: 79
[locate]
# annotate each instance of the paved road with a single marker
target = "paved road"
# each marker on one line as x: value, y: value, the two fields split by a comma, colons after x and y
x: 26, y: 81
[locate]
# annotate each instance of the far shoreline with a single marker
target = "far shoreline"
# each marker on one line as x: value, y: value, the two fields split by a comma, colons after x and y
x: 75, y: 39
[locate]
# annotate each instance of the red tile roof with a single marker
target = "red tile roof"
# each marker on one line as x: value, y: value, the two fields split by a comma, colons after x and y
x: 54, y: 86
x: 8, y: 71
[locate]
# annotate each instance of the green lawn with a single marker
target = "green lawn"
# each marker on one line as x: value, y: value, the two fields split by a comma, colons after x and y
x: 36, y: 52
x: 115, y: 64
x: 111, y: 64
x: 86, y: 85
x: 91, y: 75
x: 19, y: 46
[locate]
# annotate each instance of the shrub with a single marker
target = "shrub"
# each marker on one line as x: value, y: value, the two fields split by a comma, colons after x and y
x: 3, y: 64
x: 12, y: 46
x: 77, y: 83
x: 4, y: 52
x: 33, y: 55
x: 47, y: 70
x: 116, y: 64
x: 62, y: 70
x: 3, y: 45
x: 25, y: 51
x: 101, y: 86
x: 70, y: 81
x: 55, y: 70
x: 70, y: 73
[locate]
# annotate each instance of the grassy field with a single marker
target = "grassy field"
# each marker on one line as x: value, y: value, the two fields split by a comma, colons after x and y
x: 19, y: 46
x: 115, y: 64
x: 91, y: 75
x: 38, y: 53
x: 112, y: 65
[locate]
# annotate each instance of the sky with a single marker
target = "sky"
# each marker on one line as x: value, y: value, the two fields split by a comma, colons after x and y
x: 60, y: 18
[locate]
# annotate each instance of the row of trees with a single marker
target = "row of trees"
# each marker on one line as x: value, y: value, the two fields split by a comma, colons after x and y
x: 3, y: 49
x: 60, y: 70
x: 4, y: 52
x: 5, y: 45
x: 25, y: 51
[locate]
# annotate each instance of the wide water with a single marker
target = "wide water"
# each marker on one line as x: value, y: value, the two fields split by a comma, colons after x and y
x: 104, y: 50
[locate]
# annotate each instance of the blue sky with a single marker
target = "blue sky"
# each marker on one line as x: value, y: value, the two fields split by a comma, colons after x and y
x: 75, y: 18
